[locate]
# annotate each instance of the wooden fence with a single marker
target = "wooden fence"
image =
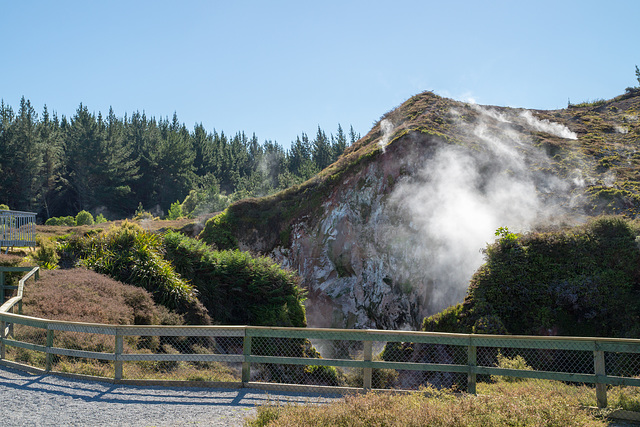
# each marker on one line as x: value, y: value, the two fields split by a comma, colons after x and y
x: 603, y: 356
x: 17, y: 229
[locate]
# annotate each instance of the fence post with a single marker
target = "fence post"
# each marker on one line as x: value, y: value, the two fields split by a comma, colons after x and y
x: 3, y: 327
x: 472, y: 359
x: 599, y: 368
x: 47, y: 366
x: 117, y: 364
x: 246, y: 351
x: 367, y: 372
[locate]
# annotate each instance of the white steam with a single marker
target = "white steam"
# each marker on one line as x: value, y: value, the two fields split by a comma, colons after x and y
x: 546, y: 126
x: 387, y: 131
x: 458, y: 199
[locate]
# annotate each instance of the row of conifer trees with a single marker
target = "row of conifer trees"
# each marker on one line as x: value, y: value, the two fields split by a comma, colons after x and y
x: 58, y: 166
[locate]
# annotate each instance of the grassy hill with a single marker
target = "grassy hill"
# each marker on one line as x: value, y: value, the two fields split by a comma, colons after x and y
x: 603, y: 156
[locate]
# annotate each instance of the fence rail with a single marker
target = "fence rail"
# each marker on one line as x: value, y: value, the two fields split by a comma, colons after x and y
x: 17, y: 229
x: 271, y: 357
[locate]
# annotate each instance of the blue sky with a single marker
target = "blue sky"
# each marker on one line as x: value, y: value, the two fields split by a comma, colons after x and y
x: 279, y: 68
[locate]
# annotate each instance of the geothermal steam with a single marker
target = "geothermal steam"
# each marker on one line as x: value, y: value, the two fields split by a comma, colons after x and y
x: 461, y: 196
x: 387, y: 130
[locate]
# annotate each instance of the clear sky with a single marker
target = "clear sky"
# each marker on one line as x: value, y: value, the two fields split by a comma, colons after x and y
x: 279, y: 68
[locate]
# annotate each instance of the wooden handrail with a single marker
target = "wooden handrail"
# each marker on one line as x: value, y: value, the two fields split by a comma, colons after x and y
x: 471, y: 342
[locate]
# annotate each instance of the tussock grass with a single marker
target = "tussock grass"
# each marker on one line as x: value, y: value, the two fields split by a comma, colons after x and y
x: 506, y: 404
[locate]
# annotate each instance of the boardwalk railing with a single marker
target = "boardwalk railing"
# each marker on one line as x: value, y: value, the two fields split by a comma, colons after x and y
x: 17, y: 229
x: 286, y: 358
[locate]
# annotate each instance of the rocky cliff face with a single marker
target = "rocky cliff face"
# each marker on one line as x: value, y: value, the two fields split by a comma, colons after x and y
x: 400, y: 230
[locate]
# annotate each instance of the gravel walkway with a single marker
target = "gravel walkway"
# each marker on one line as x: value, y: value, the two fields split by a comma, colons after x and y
x: 43, y: 400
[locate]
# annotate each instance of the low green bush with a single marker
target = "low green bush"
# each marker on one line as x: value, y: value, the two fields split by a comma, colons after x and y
x: 236, y: 287
x: 582, y: 281
x: 68, y: 221
x: 46, y: 255
x: 175, y: 211
x: 516, y: 362
x: 84, y: 218
x: 217, y: 231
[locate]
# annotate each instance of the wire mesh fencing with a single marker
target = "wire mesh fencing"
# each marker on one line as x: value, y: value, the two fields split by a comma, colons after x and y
x: 306, y: 357
x: 182, y: 354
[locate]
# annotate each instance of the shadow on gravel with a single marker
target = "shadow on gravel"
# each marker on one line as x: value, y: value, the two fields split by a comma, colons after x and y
x: 88, y: 391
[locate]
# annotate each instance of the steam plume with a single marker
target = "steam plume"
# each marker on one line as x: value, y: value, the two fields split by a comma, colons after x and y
x: 460, y: 196
x: 387, y: 131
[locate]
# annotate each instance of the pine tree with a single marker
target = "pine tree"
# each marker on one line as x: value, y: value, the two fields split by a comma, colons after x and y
x: 52, y: 166
x: 339, y: 144
x: 353, y: 136
x: 82, y: 150
x: 322, y: 154
x: 27, y: 159
x: 118, y: 167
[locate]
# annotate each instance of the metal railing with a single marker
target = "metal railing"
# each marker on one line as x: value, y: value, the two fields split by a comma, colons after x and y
x: 288, y: 358
x: 17, y: 229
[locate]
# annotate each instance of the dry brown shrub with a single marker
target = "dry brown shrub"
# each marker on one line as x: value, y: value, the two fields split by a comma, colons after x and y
x: 85, y: 296
x: 9, y: 260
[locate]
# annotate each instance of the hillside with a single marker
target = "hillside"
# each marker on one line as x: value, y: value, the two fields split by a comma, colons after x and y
x: 393, y: 231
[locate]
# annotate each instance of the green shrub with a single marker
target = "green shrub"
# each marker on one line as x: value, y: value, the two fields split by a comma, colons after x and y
x: 68, y: 221
x: 46, y: 255
x: 447, y: 320
x: 52, y: 221
x: 4, y: 207
x: 516, y: 362
x: 100, y: 219
x: 175, y: 211
x: 236, y: 287
x: 62, y: 220
x: 581, y: 281
x: 218, y: 231
x: 84, y: 218
x: 133, y: 256
x: 190, y: 202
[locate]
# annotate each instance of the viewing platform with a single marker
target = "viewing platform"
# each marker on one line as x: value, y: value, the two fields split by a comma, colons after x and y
x: 17, y: 229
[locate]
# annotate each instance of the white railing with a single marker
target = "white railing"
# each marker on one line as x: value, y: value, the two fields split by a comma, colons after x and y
x: 17, y: 229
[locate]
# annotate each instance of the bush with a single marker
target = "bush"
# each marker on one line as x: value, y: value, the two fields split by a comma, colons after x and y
x: 100, y: 219
x: 237, y: 288
x: 84, y: 218
x: 581, y: 281
x: 68, y: 221
x: 447, y: 320
x: 175, y: 211
x: 517, y: 362
x: 52, y: 221
x: 4, y: 207
x: 217, y: 231
x: 46, y: 255
x: 133, y: 256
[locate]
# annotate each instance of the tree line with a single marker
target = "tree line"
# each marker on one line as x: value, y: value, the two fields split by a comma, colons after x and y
x: 116, y: 166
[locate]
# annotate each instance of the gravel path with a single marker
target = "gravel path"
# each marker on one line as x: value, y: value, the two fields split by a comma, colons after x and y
x: 43, y: 400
